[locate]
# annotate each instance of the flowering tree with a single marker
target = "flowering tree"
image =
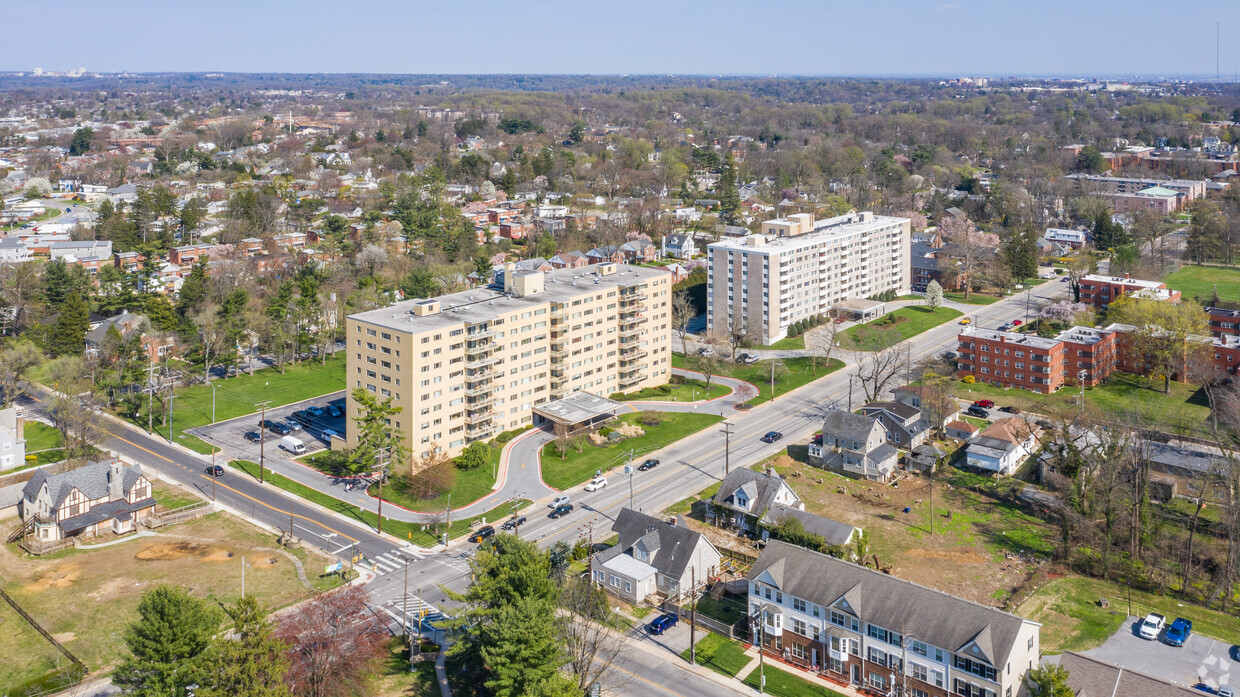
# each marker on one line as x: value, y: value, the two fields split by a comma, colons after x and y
x: 971, y: 247
x: 334, y: 641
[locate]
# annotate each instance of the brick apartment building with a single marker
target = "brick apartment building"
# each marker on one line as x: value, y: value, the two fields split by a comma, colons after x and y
x: 1100, y: 291
x: 1224, y: 322
x: 1035, y: 363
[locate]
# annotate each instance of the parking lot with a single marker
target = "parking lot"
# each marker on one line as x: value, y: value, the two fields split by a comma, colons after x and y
x: 1200, y: 660
x: 229, y: 435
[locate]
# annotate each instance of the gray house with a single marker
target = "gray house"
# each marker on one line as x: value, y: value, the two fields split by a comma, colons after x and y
x: 855, y: 446
x: 906, y: 429
x: 653, y: 557
x: 679, y: 246
x: 832, y: 532
x: 745, y: 496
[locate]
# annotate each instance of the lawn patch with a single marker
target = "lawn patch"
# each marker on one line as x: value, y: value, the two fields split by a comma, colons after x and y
x: 720, y: 655
x: 788, y: 344
x: 1200, y: 282
x: 797, y: 372
x: 894, y: 327
x: 784, y: 684
x: 687, y: 391
x: 577, y: 467
x: 974, y: 298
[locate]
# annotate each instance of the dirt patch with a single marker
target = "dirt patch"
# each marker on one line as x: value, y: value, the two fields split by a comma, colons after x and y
x: 114, y: 587
x: 60, y: 577
x: 170, y: 551
x: 956, y: 556
x: 64, y: 637
x: 265, y: 563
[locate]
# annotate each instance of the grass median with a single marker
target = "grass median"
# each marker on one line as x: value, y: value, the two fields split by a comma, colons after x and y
x: 790, y: 373
x: 784, y: 684
x: 416, y: 533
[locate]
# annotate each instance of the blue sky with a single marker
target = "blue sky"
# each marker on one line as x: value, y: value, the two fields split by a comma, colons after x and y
x: 756, y: 37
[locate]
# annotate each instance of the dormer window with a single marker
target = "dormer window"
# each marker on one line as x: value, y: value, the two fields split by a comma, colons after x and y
x: 742, y: 501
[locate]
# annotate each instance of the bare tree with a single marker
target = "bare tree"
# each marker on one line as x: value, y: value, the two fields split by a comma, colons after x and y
x: 707, y: 365
x: 878, y: 369
x: 683, y: 313
x: 563, y: 433
x: 821, y: 343
x: 16, y: 360
x: 971, y: 247
x: 334, y: 641
x: 592, y: 634
x: 212, y: 335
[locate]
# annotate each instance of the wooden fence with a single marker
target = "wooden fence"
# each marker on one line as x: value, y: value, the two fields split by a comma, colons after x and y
x: 180, y: 515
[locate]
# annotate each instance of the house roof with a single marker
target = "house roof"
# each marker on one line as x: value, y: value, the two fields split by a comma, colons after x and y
x: 97, y: 335
x: 677, y: 240
x: 91, y: 479
x: 761, y: 488
x: 959, y: 425
x: 120, y: 509
x: 900, y: 409
x: 673, y: 543
x: 832, y: 532
x: 629, y: 566
x: 938, y: 618
x: 849, y: 426
x: 1090, y: 677
x: 1012, y: 430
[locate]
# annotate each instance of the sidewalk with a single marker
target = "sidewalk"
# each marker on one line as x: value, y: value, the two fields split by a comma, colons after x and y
x: 808, y: 676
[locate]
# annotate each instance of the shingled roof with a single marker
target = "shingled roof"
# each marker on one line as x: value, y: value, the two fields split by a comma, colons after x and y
x: 670, y: 545
x: 761, y: 488
x: 956, y: 624
x: 91, y: 479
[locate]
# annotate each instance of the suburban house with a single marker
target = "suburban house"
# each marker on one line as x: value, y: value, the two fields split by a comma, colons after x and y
x: 832, y: 532
x: 12, y: 440
x: 86, y: 501
x: 679, y: 246
x: 918, y: 395
x: 639, y: 250
x: 608, y: 252
x: 855, y: 446
x: 924, y: 457
x: 568, y: 260
x: 154, y: 346
x: 871, y: 629
x: 654, y: 557
x: 745, y: 496
x: 906, y: 429
x: 13, y: 250
x: 1072, y: 238
x: 1002, y: 446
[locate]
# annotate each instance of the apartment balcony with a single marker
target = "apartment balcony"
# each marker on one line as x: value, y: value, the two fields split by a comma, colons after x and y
x: 482, y: 363
x: 632, y: 297
x: 474, y: 349
x: 633, y: 330
x: 631, y: 319
x: 477, y: 404
x: 560, y: 351
x: 483, y: 334
x: 480, y: 389
x: 633, y: 355
x: 478, y: 419
x: 628, y: 382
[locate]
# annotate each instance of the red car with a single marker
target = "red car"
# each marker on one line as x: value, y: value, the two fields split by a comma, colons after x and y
x: 1016, y: 323
x: 984, y: 403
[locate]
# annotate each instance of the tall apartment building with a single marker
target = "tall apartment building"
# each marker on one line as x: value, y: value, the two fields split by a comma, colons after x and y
x: 464, y: 367
x: 798, y: 267
x: 875, y: 631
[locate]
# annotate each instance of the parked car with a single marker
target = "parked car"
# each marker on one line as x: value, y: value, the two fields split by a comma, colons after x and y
x: 1010, y: 410
x: 215, y: 470
x: 561, y: 511
x: 966, y: 320
x: 292, y: 425
x: 816, y: 440
x: 277, y: 427
x: 301, y: 416
x: 647, y: 465
x: 1179, y: 632
x: 335, y: 411
x: 253, y: 436
x: 482, y: 533
x: 840, y: 320
x: 1043, y: 423
x: 950, y: 355
x: 1152, y: 626
x: 747, y: 358
x: 1226, y: 692
x: 316, y: 411
x: 1016, y: 323
x: 663, y: 622
x: 327, y: 435
x: 292, y: 445
x: 772, y: 436
x: 596, y: 483
x: 560, y: 500
x: 706, y: 351
x: 977, y: 411
x: 512, y: 523
x: 1005, y: 327
x: 985, y: 403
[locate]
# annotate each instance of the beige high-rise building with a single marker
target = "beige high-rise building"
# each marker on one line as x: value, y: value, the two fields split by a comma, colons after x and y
x: 465, y: 366
x: 797, y: 267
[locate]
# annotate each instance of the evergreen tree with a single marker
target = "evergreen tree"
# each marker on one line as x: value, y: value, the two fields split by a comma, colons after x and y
x: 1019, y: 250
x: 166, y: 643
x: 194, y: 289
x: 251, y: 665
x: 68, y: 334
x: 729, y: 198
x: 1107, y: 233
x: 375, y: 432
x: 420, y: 283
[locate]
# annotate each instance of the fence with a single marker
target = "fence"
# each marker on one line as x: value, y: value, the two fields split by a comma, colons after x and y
x: 180, y: 515
x: 37, y: 547
x: 68, y: 678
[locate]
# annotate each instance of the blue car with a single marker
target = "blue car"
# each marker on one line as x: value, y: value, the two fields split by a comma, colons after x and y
x: 1179, y: 632
x: 663, y: 622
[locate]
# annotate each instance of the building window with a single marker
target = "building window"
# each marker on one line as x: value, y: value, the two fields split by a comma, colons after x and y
x: 878, y: 681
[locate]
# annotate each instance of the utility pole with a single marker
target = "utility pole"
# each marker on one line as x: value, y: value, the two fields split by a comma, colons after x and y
x: 850, y: 390
x: 150, y: 402
x: 382, y: 456
x: 727, y: 447
x: 171, y: 397
x: 1027, y: 301
x: 262, y: 439
x: 693, y: 615
x: 213, y: 477
x: 404, y: 615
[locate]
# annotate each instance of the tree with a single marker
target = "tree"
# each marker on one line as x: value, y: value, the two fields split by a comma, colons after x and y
x: 558, y: 685
x: 1091, y: 161
x: 683, y: 313
x: 970, y: 247
x: 213, y: 335
x: 1049, y: 680
x: 377, y: 437
x: 1079, y: 264
x: 420, y: 283
x: 81, y: 142
x: 729, y: 197
x: 166, y: 643
x: 68, y: 335
x: 593, y: 635
x: 1164, y: 336
x: 934, y: 295
x: 821, y: 342
x: 1206, y: 233
x: 1109, y: 234
x: 334, y: 641
x: 16, y: 360
x: 252, y: 663
x: 474, y: 456
x: 877, y: 369
x: 1019, y: 251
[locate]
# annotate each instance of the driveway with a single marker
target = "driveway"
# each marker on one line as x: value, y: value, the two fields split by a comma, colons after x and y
x: 1201, y: 659
x: 229, y: 435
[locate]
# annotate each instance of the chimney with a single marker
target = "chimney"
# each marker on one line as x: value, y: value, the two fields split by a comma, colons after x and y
x: 1127, y: 277
x: 115, y: 490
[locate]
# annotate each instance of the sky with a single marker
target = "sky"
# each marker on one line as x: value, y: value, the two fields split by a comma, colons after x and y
x: 945, y: 38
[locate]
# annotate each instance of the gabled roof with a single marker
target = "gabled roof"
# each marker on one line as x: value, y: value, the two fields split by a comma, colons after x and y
x: 673, y: 544
x: 935, y: 617
x: 899, y: 409
x: 848, y: 426
x: 760, y: 487
x: 1091, y: 677
x: 677, y: 240
x: 832, y: 532
x: 90, y: 479
x: 1011, y: 431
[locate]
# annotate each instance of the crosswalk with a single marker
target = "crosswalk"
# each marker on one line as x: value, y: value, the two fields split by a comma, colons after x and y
x: 389, y: 562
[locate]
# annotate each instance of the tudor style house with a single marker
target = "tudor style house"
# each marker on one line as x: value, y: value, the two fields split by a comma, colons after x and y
x: 881, y: 633
x: 654, y: 557
x: 745, y: 496
x: 90, y: 500
x: 855, y: 446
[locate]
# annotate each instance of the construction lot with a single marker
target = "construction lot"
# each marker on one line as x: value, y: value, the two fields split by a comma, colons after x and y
x: 86, y: 597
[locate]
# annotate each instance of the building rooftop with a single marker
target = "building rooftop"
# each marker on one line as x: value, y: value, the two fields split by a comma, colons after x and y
x: 840, y: 226
x: 1158, y: 191
x: 1122, y: 280
x: 1081, y: 335
x: 1015, y: 338
x: 577, y: 407
x: 483, y: 304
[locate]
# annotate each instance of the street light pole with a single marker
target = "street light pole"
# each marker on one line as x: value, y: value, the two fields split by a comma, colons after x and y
x: 212, y: 402
x: 262, y: 439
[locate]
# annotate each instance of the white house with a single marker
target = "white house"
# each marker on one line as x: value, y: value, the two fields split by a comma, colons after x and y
x: 13, y: 251
x: 12, y: 440
x: 745, y: 496
x: 1072, y: 238
x: 1002, y: 446
x: 680, y: 246
x: 652, y: 557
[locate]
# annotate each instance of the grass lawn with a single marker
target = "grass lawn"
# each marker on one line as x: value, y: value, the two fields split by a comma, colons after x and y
x: 798, y: 372
x: 884, y: 331
x: 40, y: 436
x: 169, y: 497
x: 86, y: 597
x: 788, y: 344
x: 726, y: 611
x: 720, y: 655
x: 38, y: 657
x: 236, y: 396
x: 980, y: 423
x: 784, y: 684
x: 1184, y: 411
x: 393, y: 679
x: 1201, y: 282
x: 684, y: 506
x: 688, y: 391
x: 1072, y: 620
x: 577, y: 467
x: 469, y: 486
x: 974, y: 298
x: 414, y: 532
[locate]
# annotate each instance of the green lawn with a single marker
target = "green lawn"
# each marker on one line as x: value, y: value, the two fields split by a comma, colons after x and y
x: 413, y: 532
x: 884, y: 331
x: 798, y: 371
x: 469, y: 486
x: 577, y: 467
x: 726, y: 611
x: 720, y: 655
x: 1072, y: 620
x: 237, y: 396
x: 788, y: 344
x: 980, y: 423
x: 784, y: 684
x: 685, y: 505
x: 1201, y: 281
x: 974, y: 298
x: 170, y: 497
x: 688, y: 391
x: 1184, y: 411
x: 40, y: 436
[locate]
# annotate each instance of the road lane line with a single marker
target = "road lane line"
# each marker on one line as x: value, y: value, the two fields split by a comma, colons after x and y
x: 277, y: 510
x: 658, y: 686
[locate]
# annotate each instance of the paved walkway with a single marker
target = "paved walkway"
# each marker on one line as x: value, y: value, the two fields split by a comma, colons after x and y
x: 140, y: 533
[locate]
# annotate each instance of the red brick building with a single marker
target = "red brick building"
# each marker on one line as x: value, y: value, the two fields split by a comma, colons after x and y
x: 1224, y: 322
x: 1011, y: 359
x: 1101, y: 291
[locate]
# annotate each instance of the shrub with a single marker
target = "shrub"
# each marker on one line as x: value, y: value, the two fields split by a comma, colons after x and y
x: 650, y: 418
x: 605, y: 431
x: 581, y: 550
x: 506, y: 436
x: 474, y: 456
x: 969, y: 380
x: 618, y: 396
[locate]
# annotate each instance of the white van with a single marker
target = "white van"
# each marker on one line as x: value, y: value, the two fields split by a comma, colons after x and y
x: 293, y: 445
